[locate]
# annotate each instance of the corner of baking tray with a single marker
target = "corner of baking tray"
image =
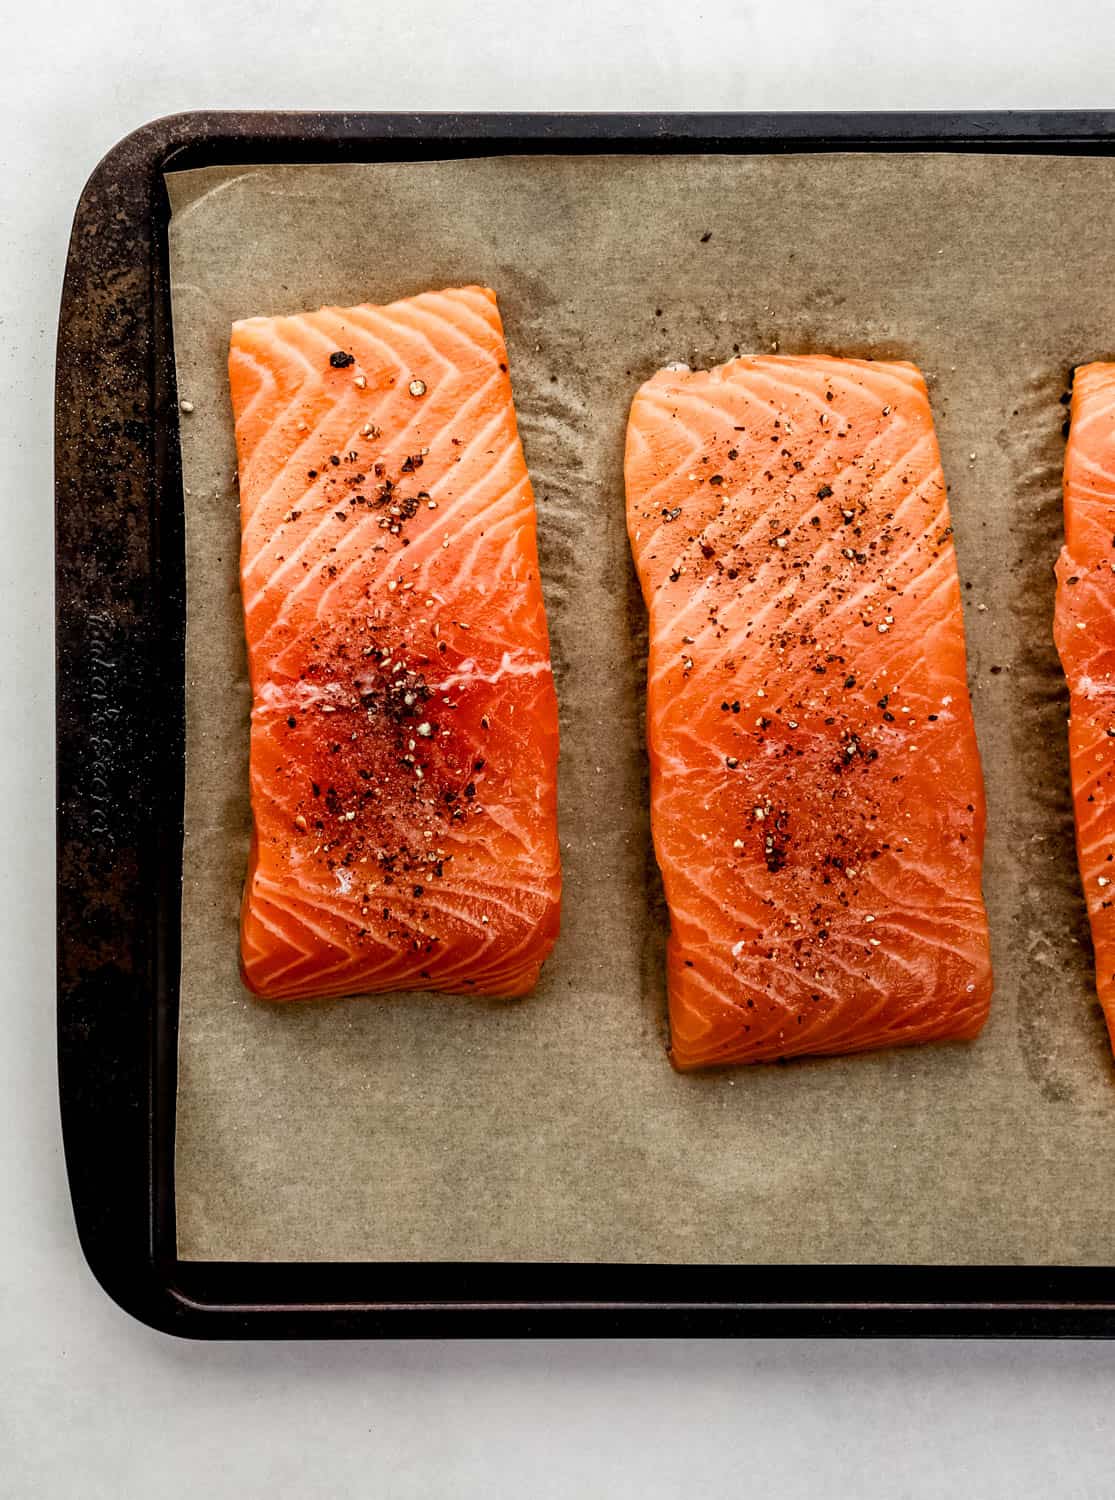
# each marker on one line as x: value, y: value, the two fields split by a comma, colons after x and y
x: 139, y: 1290
x: 140, y: 151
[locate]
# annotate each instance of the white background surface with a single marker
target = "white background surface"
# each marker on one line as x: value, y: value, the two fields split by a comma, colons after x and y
x: 93, y: 1405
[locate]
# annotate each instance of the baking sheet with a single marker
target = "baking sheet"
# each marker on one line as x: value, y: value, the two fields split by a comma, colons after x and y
x: 430, y: 1128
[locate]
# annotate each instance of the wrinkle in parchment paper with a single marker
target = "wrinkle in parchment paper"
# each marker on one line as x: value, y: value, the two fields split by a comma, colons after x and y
x: 419, y: 1127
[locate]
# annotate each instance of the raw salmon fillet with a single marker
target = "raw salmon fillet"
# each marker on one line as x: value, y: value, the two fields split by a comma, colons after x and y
x: 404, y: 731
x: 1084, y: 630
x: 816, y: 798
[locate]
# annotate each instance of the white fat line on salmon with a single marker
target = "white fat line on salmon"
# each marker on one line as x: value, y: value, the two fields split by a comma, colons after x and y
x: 423, y: 313
x: 318, y: 905
x: 760, y: 526
x: 718, y: 531
x: 481, y: 541
x: 832, y: 374
x: 486, y: 476
x: 395, y: 338
x: 461, y: 420
x: 499, y: 522
x: 509, y: 666
x: 732, y: 385
x: 344, y: 554
x: 847, y: 606
x: 426, y: 354
x: 346, y: 557
x: 1087, y: 464
x: 313, y: 439
x: 303, y: 696
x: 399, y: 441
x: 1088, y: 687
x: 472, y: 302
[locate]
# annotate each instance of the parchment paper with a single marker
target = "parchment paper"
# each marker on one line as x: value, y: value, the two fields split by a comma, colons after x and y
x: 553, y: 1128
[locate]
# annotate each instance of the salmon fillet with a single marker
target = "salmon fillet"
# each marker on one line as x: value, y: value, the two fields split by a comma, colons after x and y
x: 816, y: 798
x: 404, y: 730
x: 1084, y: 630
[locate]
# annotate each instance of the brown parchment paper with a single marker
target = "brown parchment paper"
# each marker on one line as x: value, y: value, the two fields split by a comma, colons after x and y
x: 424, y: 1127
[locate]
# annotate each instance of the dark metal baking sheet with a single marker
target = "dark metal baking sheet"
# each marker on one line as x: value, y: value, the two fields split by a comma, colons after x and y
x: 120, y: 608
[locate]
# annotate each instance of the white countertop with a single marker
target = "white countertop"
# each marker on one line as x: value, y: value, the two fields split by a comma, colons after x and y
x: 93, y: 1405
